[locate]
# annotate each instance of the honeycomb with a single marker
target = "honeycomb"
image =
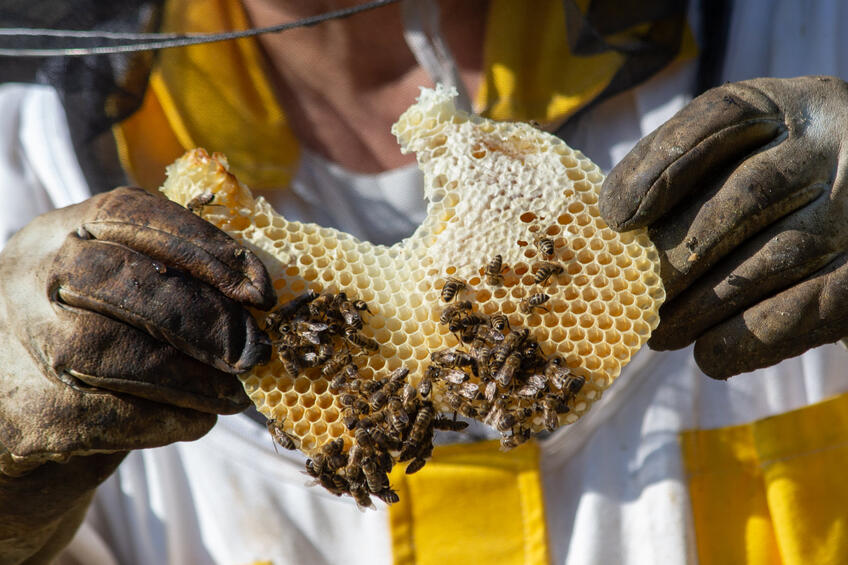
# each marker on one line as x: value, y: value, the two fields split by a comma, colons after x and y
x: 512, y: 226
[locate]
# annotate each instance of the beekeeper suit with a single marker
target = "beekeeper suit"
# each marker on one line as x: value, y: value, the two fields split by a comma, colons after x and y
x: 668, y: 467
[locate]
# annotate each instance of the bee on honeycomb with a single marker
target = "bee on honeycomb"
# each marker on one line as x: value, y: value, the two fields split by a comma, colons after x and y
x: 495, y: 189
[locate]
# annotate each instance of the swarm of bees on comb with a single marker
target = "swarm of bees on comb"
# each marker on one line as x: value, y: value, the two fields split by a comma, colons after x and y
x: 512, y: 304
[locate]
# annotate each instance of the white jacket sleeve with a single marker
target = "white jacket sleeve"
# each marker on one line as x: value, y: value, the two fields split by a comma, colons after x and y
x: 38, y: 168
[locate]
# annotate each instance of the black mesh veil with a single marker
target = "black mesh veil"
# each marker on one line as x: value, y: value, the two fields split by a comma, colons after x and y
x: 96, y: 91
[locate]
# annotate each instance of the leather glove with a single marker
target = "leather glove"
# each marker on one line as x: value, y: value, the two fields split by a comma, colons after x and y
x: 122, y: 324
x: 744, y: 194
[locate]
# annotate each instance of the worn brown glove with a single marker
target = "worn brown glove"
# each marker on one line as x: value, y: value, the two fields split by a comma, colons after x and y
x: 121, y: 323
x: 744, y: 194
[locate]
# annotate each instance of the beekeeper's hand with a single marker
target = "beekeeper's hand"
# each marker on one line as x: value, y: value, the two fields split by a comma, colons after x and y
x: 122, y: 322
x: 744, y: 194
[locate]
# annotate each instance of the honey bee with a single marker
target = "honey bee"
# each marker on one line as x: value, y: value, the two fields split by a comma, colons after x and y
x: 376, y: 480
x: 499, y: 356
x: 388, y: 496
x: 197, y: 203
x: 372, y: 385
x: 384, y: 461
x: 415, y: 465
x: 280, y: 437
x: 573, y: 384
x: 500, y: 418
x: 507, y: 371
x: 315, y: 466
x: 453, y: 310
x: 471, y: 320
x: 488, y: 334
x: 455, y: 325
x: 499, y: 322
x: 320, y: 306
x: 361, y: 305
x: 426, y: 384
x: 455, y: 376
x: 362, y: 497
x: 325, y: 353
x: 350, y: 418
x: 354, y: 458
x: 408, y: 397
x: 380, y: 396
x: 452, y: 358
x: 490, y: 391
x: 397, y: 378
x: 289, y: 360
x: 351, y: 371
x: 516, y: 338
x: 334, y: 456
x: 309, y: 331
x: 533, y: 301
x: 531, y: 355
x: 309, y: 359
x: 551, y: 408
x: 545, y: 245
x: 363, y: 438
x: 398, y: 417
x: 547, y: 270
x: 469, y: 390
x: 493, y: 271
x: 350, y: 315
x: 378, y: 399
x: 355, y: 477
x: 522, y: 415
x: 382, y: 440
x: 517, y: 438
x: 427, y: 445
x: 449, y: 425
x: 421, y: 427
x: 451, y: 288
x: 287, y: 311
x: 355, y: 403
x: 288, y: 339
x: 557, y: 372
x: 535, y: 384
x: 358, y: 339
x: 345, y: 379
x: 482, y: 355
x: 333, y: 482
x: 454, y: 401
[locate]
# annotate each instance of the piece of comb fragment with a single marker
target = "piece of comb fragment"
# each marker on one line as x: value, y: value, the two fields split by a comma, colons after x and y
x: 547, y: 301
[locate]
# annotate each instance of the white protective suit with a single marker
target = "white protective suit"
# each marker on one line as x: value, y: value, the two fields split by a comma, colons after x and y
x: 613, y: 482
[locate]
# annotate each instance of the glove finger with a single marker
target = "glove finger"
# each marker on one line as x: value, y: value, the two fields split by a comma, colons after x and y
x: 804, y: 316
x: 106, y: 354
x: 774, y: 260
x: 170, y: 306
x: 79, y: 422
x: 714, y: 131
x: 167, y: 232
x: 763, y: 189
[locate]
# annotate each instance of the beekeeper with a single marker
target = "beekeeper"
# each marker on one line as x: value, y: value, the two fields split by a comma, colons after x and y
x: 741, y: 190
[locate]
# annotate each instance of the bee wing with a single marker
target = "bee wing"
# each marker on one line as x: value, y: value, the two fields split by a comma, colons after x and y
x: 455, y: 376
x: 469, y: 390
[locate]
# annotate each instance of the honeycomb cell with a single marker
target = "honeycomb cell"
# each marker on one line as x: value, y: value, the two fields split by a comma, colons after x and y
x: 301, y: 429
x: 273, y: 398
x: 493, y: 188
